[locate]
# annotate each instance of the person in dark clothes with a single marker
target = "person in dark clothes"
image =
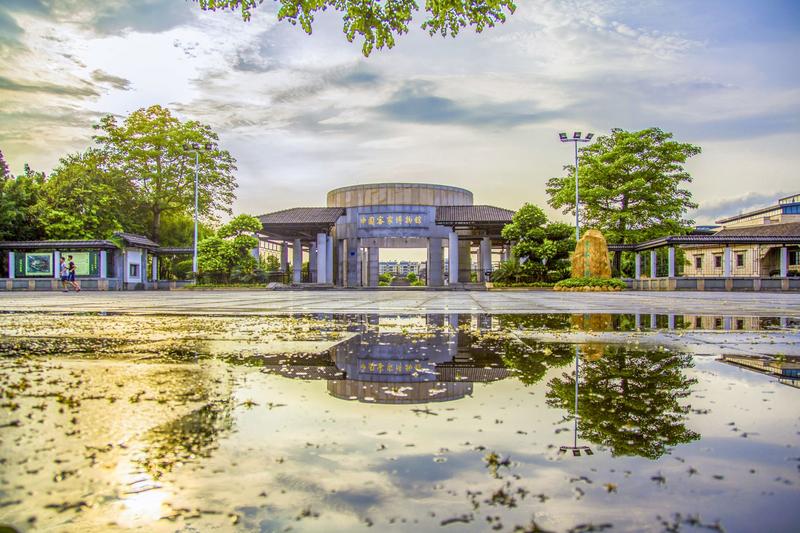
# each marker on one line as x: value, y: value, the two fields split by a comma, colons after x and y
x: 71, y: 268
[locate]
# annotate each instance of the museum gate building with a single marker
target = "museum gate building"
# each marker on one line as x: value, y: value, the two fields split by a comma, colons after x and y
x: 342, y: 241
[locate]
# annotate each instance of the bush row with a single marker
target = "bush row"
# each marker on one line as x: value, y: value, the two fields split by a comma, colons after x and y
x: 590, y: 284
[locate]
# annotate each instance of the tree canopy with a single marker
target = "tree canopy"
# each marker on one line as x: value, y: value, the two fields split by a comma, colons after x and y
x: 379, y: 22
x: 630, y: 185
x: 229, y: 249
x: 541, y: 245
x: 154, y: 151
x: 18, y: 196
x: 630, y: 400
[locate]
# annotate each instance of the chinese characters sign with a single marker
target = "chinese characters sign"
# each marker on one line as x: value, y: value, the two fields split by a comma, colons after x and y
x: 383, y: 366
x: 391, y: 220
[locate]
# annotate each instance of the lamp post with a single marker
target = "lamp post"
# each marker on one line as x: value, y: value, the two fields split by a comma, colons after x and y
x: 576, y: 450
x: 576, y: 138
x: 195, y: 147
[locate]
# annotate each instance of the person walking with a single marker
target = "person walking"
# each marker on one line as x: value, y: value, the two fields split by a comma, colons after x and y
x: 71, y: 276
x: 63, y: 271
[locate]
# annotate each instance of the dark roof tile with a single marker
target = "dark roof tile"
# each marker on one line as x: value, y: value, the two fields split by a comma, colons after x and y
x: 303, y: 216
x: 472, y: 214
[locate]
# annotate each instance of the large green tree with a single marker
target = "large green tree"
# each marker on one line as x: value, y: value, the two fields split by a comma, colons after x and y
x: 630, y: 400
x: 87, y: 198
x: 630, y: 185
x: 378, y: 22
x: 152, y: 150
x: 18, y: 196
x: 540, y: 246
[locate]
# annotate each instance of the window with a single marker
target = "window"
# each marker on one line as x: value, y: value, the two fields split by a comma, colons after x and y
x: 739, y: 323
x: 698, y: 262
x: 717, y: 261
x: 698, y: 322
x: 794, y: 257
x: 133, y: 270
x: 739, y: 259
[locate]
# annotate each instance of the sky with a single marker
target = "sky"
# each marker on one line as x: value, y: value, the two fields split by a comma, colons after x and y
x: 305, y: 114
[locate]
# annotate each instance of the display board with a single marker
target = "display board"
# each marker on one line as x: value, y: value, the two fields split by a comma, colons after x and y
x: 38, y: 264
x: 86, y: 263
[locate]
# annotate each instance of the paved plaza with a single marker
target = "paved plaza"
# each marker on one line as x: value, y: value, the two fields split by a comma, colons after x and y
x: 235, y: 302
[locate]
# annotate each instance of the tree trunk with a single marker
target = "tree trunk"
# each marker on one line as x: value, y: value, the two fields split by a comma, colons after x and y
x: 154, y: 230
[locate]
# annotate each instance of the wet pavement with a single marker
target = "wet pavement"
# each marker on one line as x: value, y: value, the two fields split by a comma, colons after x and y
x: 240, y: 302
x: 405, y: 422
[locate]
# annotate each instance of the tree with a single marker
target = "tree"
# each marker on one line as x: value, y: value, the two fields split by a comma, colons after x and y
x: 543, y: 246
x: 86, y: 198
x: 230, y: 248
x: 149, y: 148
x: 4, y: 172
x: 379, y: 22
x: 17, y: 199
x: 630, y: 185
x: 630, y: 400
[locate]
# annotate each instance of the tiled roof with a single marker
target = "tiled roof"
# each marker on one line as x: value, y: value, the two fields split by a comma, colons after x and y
x: 303, y: 216
x: 472, y: 214
x: 788, y: 229
x: 40, y: 245
x: 136, y: 240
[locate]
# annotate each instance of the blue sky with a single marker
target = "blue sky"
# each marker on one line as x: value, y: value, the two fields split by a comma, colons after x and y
x: 305, y: 114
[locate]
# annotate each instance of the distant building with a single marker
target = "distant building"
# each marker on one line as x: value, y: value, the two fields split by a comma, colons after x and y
x: 756, y: 259
x: 401, y: 268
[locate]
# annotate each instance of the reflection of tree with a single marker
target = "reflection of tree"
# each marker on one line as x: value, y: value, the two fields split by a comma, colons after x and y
x: 629, y: 400
x: 531, y: 359
x: 186, y: 438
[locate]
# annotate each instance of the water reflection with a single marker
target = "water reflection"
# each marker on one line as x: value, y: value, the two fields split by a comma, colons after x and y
x: 630, y: 400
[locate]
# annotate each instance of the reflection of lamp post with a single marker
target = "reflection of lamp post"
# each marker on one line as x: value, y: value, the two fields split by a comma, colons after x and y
x: 576, y: 450
x: 195, y: 147
x: 576, y: 138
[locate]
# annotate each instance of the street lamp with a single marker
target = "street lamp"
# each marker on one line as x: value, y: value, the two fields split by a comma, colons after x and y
x: 195, y: 147
x: 576, y: 450
x: 576, y: 138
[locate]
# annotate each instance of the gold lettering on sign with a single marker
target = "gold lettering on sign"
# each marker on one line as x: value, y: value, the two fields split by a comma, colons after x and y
x: 371, y: 220
x: 417, y: 219
x: 409, y: 220
x: 380, y: 220
x: 390, y: 219
x: 363, y: 219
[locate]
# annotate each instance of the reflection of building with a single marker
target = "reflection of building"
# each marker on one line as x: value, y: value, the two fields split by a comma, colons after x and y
x: 384, y: 364
x: 343, y: 240
x: 787, y: 371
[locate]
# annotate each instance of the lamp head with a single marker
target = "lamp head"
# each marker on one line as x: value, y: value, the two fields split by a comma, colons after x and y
x: 589, y: 136
x: 576, y: 135
x: 563, y: 137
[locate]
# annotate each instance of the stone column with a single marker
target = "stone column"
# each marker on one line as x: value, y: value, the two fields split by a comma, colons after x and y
x: 435, y: 261
x: 284, y: 256
x: 103, y: 264
x: 329, y: 260
x: 784, y: 261
x: 297, y: 261
x: 727, y: 260
x: 652, y: 263
x: 12, y: 265
x: 154, y: 273
x: 671, y: 262
x: 56, y: 269
x: 353, y: 261
x: 638, y: 264
x: 452, y: 258
x: 312, y: 261
x: 464, y: 261
x: 322, y: 258
x: 486, y: 258
x: 373, y: 265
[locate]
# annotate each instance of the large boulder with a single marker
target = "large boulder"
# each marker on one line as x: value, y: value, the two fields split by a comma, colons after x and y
x: 590, y: 259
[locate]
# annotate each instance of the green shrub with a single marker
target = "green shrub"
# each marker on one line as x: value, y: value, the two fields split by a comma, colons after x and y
x: 500, y: 284
x: 591, y: 283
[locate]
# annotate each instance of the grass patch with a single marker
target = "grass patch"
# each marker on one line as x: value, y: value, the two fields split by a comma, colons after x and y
x: 590, y: 284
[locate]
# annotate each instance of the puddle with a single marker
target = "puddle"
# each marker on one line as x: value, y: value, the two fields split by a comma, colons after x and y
x: 437, y: 422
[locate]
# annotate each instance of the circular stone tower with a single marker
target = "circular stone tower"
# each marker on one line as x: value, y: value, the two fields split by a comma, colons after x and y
x: 386, y: 194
